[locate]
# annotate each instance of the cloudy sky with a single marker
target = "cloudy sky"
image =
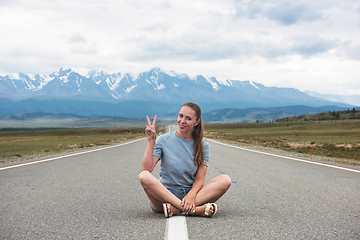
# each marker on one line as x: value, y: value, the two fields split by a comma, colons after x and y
x: 305, y: 44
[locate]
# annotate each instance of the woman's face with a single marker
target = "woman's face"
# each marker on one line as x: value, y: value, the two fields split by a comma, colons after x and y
x: 187, y: 119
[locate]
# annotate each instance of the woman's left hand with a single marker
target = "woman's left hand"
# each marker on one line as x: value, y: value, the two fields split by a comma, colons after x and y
x: 188, y: 203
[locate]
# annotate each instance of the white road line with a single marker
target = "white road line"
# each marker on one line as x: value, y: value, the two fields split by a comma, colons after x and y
x: 71, y: 155
x: 176, y: 228
x: 295, y: 159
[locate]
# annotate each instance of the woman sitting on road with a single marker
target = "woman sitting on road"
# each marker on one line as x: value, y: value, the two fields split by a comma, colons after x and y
x: 184, y: 162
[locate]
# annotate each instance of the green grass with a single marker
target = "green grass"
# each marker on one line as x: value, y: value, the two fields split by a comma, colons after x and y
x: 340, y: 139
x: 31, y: 142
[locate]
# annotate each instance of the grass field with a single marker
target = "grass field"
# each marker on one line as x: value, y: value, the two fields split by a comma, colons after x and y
x: 31, y: 142
x: 339, y: 139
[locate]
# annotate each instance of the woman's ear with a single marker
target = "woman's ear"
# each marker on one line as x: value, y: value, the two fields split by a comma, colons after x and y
x: 197, y: 122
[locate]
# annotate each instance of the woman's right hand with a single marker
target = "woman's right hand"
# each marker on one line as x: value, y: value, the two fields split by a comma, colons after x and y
x: 150, y: 129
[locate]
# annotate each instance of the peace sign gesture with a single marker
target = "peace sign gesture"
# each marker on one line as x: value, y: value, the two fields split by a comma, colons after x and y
x: 150, y: 129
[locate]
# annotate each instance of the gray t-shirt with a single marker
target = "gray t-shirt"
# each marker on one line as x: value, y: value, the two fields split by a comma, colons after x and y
x: 177, y: 160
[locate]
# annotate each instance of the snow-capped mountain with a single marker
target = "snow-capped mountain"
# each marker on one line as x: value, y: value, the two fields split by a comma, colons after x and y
x: 155, y: 85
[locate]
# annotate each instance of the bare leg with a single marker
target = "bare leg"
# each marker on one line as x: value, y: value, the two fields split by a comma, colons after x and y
x: 158, y: 193
x: 211, y: 192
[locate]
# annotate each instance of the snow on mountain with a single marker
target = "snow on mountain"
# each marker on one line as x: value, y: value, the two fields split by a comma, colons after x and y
x: 129, y: 89
x: 43, y: 80
x: 113, y: 81
x: 15, y: 76
x: 155, y: 85
x: 214, y: 83
x: 252, y: 83
x: 97, y: 75
x: 173, y: 74
x: 227, y: 83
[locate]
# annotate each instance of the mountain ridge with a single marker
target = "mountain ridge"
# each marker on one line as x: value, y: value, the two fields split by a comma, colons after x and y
x: 152, y: 92
x: 155, y: 84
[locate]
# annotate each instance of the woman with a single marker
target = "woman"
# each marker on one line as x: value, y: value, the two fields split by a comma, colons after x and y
x: 184, y: 162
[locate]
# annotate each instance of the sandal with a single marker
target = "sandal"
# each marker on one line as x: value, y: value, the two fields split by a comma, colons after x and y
x: 207, y: 209
x: 167, y: 214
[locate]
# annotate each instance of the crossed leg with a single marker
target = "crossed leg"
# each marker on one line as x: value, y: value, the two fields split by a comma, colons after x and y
x: 159, y: 194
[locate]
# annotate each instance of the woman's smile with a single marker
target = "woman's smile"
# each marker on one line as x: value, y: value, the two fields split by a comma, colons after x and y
x: 187, y: 120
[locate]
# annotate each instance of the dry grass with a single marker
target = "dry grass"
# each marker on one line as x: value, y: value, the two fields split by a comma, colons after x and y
x: 17, y: 144
x: 339, y: 139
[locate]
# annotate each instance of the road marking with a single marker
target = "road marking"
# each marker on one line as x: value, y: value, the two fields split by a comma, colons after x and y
x: 71, y: 155
x: 176, y: 228
x: 296, y: 159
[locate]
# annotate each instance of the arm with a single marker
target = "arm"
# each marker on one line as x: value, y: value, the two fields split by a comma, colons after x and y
x: 149, y: 161
x: 189, y: 200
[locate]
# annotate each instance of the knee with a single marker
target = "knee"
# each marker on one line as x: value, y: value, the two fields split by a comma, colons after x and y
x: 226, y: 181
x: 144, y: 177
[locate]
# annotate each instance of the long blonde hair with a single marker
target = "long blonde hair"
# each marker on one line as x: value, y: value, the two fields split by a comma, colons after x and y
x: 197, y: 135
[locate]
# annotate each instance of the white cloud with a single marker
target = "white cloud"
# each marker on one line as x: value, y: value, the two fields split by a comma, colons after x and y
x: 302, y: 43
x: 77, y: 37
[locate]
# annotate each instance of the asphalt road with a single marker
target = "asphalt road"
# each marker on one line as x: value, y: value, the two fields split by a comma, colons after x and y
x: 97, y: 196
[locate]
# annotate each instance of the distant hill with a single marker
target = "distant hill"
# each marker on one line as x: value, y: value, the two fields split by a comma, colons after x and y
x: 227, y: 115
x: 50, y: 120
x: 126, y: 108
x: 328, y: 115
x: 233, y: 115
x: 38, y: 115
